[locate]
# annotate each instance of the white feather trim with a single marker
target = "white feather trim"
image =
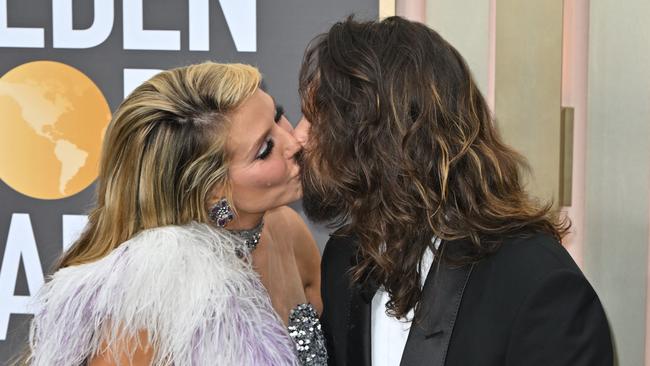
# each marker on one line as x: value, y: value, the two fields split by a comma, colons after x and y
x: 199, y: 303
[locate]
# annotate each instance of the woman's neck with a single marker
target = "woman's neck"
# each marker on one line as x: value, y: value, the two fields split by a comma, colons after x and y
x: 245, y: 221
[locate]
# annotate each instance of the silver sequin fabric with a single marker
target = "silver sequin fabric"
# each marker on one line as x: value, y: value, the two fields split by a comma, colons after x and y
x: 305, y: 330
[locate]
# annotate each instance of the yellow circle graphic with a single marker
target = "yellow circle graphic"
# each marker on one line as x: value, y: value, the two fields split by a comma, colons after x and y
x: 51, y: 130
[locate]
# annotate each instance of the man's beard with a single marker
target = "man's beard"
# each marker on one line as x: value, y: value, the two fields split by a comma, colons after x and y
x: 317, y: 205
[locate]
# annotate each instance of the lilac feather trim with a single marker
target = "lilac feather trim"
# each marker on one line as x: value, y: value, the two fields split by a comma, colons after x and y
x: 199, y: 303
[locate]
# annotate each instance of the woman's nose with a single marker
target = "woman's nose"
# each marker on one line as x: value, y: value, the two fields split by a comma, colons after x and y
x: 301, y: 132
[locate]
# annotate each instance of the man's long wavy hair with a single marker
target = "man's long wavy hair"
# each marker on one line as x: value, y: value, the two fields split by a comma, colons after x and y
x: 403, y: 148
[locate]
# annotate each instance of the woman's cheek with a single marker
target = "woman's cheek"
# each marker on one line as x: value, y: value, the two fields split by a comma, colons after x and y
x: 272, y: 172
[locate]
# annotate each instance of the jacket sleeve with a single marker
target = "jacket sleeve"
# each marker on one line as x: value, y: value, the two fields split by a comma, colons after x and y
x: 335, y: 287
x: 562, y: 323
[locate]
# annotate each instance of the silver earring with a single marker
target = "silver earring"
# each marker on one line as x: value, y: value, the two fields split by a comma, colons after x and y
x: 220, y: 213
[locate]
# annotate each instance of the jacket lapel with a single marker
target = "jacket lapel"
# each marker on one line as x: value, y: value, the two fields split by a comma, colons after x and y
x: 432, y: 327
x: 431, y: 330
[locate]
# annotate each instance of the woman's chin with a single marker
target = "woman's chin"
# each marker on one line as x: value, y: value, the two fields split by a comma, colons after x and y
x: 296, y: 196
x: 291, y: 197
x: 296, y: 193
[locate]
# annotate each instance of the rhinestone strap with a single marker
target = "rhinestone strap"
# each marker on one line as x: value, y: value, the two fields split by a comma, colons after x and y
x: 305, y: 330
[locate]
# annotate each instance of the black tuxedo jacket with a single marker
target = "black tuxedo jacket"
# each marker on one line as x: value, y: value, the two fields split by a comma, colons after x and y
x: 528, y: 304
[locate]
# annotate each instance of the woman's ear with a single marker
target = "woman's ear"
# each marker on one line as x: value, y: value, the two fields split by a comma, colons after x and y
x: 216, y: 194
x: 220, y: 209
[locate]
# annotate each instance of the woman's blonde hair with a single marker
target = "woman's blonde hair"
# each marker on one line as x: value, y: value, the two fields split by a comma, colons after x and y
x: 164, y: 151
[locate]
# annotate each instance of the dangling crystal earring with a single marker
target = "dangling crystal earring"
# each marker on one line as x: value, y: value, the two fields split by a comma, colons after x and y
x: 221, y: 213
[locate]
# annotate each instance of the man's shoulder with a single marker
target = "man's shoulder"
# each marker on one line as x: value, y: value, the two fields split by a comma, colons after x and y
x: 528, y: 257
x: 341, y: 240
x: 535, y: 248
x: 340, y: 247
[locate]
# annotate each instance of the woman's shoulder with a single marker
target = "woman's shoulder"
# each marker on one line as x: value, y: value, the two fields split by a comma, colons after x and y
x: 153, y: 261
x: 159, y: 247
x: 183, y: 237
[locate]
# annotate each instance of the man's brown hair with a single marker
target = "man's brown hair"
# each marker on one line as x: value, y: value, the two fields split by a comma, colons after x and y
x: 402, y: 148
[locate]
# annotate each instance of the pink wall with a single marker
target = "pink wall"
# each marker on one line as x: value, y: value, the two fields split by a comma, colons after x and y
x: 411, y: 9
x: 647, y: 314
x: 574, y: 94
x: 492, y: 54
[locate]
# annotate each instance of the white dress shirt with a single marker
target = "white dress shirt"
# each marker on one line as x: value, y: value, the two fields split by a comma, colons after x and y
x: 388, y: 334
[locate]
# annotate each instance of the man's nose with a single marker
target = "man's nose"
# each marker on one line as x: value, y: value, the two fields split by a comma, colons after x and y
x: 292, y: 146
x: 301, y: 132
x: 285, y: 124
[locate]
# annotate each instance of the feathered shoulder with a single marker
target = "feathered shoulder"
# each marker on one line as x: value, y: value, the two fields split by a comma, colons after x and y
x: 199, y: 303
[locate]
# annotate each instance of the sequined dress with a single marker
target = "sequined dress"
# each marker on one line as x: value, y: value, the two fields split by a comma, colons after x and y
x: 306, y: 332
x: 304, y: 326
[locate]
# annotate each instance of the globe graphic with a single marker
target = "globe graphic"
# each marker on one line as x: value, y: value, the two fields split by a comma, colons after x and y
x: 53, y: 121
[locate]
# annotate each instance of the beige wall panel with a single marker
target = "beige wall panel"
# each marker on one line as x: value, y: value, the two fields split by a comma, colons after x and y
x: 465, y: 24
x: 386, y: 8
x: 528, y: 86
x: 617, y: 169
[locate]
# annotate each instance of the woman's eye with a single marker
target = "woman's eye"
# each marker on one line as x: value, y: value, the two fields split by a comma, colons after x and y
x: 279, y: 112
x: 265, y: 150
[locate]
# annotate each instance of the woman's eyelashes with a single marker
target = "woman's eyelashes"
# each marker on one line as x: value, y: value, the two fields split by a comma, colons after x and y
x: 279, y: 112
x: 266, y: 149
x: 268, y: 145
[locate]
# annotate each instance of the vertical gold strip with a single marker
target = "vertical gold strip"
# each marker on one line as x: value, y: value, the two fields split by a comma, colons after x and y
x: 566, y: 157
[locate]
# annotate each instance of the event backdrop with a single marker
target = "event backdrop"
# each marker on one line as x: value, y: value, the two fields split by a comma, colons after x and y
x: 65, y: 65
